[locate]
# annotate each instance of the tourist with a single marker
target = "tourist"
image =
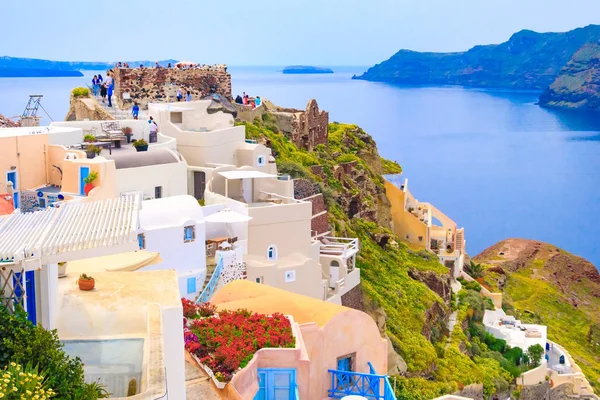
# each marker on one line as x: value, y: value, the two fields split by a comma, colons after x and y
x: 109, y: 93
x: 95, y: 86
x: 135, y: 110
x: 100, y: 80
x: 179, y: 94
x: 156, y: 65
x: 141, y: 66
x: 126, y: 65
x: 169, y: 66
x: 246, y: 100
x: 258, y: 101
x: 188, y: 96
x: 253, y: 103
x: 103, y: 92
x: 238, y: 99
x: 153, y: 130
x: 119, y: 64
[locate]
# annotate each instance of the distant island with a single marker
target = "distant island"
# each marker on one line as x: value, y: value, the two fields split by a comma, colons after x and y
x: 306, y: 69
x: 36, y: 73
x: 35, y: 63
x: 563, y: 65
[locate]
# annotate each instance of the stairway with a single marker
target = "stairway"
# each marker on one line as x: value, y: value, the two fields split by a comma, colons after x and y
x: 460, y: 234
x: 116, y: 112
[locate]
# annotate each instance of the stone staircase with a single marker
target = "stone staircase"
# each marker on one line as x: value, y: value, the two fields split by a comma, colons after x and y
x: 116, y: 112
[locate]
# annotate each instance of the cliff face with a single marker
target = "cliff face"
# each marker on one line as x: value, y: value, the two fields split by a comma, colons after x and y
x: 578, y: 84
x: 86, y: 108
x: 549, y: 286
x: 7, y: 123
x: 528, y: 60
x: 406, y: 292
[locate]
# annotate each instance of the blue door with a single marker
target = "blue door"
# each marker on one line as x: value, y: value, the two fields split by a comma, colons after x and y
x: 29, y: 294
x: 344, y: 380
x: 83, y: 173
x: 12, y: 177
x: 276, y: 384
x: 30, y: 290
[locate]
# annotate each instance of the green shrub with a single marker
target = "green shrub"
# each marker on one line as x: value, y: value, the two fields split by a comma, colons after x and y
x: 473, y: 285
x: 80, y: 92
x: 28, y: 344
x: 489, y: 304
x: 293, y: 169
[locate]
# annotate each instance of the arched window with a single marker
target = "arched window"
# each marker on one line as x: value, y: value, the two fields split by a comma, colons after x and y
x: 334, y: 263
x: 272, y: 252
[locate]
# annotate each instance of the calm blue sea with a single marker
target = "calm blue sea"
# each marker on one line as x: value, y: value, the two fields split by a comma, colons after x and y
x: 492, y: 160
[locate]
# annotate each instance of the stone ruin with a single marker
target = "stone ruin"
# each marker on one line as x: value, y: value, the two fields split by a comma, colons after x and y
x: 306, y: 128
x: 158, y: 85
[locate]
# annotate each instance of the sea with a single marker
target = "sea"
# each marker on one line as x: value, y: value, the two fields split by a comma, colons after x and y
x: 492, y: 160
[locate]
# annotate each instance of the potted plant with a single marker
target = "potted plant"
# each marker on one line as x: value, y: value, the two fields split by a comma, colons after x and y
x: 89, y: 138
x: 62, y: 269
x: 86, y: 282
x: 128, y: 132
x: 140, y: 145
x: 92, y: 150
x: 89, y: 182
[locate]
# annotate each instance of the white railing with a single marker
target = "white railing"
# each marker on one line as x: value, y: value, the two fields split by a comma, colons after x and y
x: 346, y: 247
x: 285, y: 199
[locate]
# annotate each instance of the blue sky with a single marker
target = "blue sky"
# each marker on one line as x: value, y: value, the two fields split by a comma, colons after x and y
x: 272, y: 32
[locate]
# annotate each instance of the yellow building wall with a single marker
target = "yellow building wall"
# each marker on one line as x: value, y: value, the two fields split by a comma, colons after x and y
x: 404, y: 223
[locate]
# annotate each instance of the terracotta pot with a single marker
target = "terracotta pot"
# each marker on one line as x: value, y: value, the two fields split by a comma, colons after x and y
x: 86, y: 284
x: 87, y: 188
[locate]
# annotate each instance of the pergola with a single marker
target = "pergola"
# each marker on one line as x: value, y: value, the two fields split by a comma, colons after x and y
x: 243, y: 174
x: 73, y: 231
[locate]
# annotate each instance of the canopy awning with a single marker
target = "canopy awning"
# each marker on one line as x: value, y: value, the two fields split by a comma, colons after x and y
x: 243, y: 174
x: 73, y: 231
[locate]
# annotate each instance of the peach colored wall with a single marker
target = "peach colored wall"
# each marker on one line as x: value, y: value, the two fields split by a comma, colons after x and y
x: 56, y: 157
x: 31, y: 162
x: 317, y: 351
x: 404, y: 223
x: 104, y: 187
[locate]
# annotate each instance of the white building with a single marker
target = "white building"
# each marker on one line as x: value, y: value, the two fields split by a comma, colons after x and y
x: 174, y: 227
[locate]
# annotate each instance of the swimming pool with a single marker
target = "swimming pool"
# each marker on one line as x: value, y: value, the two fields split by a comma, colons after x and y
x: 112, y: 362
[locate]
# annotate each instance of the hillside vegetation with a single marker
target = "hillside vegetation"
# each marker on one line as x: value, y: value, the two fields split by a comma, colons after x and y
x: 546, y: 285
x: 406, y: 292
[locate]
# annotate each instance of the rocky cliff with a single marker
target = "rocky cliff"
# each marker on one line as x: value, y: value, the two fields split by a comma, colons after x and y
x: 546, y: 285
x: 528, y: 60
x: 406, y: 292
x: 578, y: 84
x: 86, y: 108
x: 7, y: 123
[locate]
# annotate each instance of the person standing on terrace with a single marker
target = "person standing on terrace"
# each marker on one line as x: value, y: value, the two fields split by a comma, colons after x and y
x: 95, y: 85
x: 188, y: 96
x: 135, y: 110
x: 179, y: 94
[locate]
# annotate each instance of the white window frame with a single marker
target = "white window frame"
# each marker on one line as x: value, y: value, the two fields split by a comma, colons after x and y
x: 272, y: 253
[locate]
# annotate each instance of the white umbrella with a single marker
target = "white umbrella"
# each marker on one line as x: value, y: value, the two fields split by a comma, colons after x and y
x: 227, y: 216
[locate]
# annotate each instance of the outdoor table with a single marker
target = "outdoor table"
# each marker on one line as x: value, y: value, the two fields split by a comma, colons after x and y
x: 218, y: 240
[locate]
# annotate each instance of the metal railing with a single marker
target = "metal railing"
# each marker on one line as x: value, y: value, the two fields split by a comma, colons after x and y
x: 209, y: 289
x: 370, y: 386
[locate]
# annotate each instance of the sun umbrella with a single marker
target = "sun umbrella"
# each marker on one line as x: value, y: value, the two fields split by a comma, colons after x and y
x: 186, y: 63
x: 227, y: 216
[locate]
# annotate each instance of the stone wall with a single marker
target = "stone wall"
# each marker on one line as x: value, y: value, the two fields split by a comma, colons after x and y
x: 153, y: 85
x: 306, y: 128
x: 353, y: 298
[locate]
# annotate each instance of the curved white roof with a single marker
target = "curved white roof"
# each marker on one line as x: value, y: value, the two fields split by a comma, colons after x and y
x: 170, y: 212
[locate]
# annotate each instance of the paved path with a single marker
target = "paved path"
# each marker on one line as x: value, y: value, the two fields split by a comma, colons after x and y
x: 197, y: 384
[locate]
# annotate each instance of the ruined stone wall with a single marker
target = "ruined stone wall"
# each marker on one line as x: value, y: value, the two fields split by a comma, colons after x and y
x: 146, y: 85
x: 306, y: 128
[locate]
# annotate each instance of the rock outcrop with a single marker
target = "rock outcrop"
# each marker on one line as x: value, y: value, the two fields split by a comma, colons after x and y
x: 7, y: 123
x: 578, y: 84
x: 86, y: 108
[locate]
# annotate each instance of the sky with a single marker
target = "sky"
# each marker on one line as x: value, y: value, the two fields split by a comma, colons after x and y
x: 272, y: 32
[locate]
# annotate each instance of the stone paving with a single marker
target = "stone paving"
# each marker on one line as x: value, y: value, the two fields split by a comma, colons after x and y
x: 198, y: 386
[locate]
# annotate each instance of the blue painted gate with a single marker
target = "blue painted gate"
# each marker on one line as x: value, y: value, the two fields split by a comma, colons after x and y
x: 276, y: 384
x: 84, y: 172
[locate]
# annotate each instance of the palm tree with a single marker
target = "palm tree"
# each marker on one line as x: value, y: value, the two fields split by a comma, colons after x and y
x: 475, y: 270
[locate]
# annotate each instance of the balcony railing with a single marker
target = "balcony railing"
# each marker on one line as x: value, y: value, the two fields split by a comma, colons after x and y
x: 344, y: 247
x: 370, y: 386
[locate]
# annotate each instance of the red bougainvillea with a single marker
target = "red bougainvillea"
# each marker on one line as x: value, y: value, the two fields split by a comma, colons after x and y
x: 192, y: 310
x: 227, y: 341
